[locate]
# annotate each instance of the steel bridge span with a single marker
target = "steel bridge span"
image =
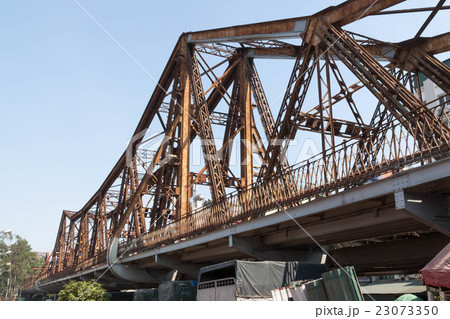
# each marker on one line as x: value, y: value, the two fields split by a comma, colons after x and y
x: 376, y: 196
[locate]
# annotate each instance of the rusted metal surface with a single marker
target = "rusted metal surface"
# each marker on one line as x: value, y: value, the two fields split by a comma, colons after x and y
x: 435, y: 45
x: 145, y: 201
x: 313, y: 180
x: 247, y: 126
x: 206, y: 133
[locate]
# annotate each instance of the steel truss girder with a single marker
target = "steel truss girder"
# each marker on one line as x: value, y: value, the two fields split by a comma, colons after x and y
x: 400, y: 102
x: 417, y: 55
x: 434, y: 69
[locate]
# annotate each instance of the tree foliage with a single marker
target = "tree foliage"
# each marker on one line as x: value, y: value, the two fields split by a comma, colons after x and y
x: 83, y: 291
x: 17, y: 263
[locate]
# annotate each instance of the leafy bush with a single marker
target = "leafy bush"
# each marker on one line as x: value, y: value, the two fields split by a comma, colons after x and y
x: 83, y: 291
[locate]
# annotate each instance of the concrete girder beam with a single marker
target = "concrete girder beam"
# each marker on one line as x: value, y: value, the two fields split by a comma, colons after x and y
x: 207, y: 253
x: 377, y: 223
x: 253, y: 246
x: 411, y: 254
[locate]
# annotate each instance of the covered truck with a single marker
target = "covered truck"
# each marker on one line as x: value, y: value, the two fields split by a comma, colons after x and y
x: 251, y: 280
x: 437, y: 272
x: 436, y: 275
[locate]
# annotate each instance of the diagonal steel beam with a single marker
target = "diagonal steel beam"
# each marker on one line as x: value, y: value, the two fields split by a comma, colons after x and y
x: 430, y: 17
x: 206, y: 134
x: 434, y: 69
x: 290, y: 107
x: 408, y: 109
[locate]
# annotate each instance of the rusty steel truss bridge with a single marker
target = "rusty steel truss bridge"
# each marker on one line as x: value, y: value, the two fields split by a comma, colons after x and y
x: 376, y: 195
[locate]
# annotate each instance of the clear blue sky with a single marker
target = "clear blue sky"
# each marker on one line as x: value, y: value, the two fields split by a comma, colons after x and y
x: 70, y: 97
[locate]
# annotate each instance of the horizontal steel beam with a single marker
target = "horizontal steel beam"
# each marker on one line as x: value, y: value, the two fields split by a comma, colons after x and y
x: 342, y: 14
x: 279, y: 29
x: 413, y: 10
x: 353, y: 10
x: 432, y: 45
x: 436, y: 44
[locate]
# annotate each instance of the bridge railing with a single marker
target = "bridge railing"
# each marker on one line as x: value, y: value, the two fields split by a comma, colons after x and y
x: 396, y: 146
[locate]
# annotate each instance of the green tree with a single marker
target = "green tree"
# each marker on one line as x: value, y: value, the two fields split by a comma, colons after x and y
x: 83, y: 291
x: 17, y: 263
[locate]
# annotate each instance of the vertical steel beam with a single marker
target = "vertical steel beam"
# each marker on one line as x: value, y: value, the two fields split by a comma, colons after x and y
x: 70, y: 247
x: 184, y: 144
x: 62, y: 241
x: 321, y: 107
x: 246, y: 124
x: 330, y: 114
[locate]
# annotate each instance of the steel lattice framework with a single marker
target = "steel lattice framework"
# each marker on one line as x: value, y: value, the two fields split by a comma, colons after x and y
x: 145, y: 200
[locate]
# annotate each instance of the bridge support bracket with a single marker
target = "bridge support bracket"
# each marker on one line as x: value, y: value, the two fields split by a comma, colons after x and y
x: 431, y: 210
x: 175, y: 262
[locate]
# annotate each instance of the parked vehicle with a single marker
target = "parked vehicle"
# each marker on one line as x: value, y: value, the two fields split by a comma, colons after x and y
x: 251, y: 280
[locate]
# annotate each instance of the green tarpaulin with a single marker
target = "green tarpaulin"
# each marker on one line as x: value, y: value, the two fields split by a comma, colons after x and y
x: 177, y: 291
x: 146, y: 295
x: 255, y: 279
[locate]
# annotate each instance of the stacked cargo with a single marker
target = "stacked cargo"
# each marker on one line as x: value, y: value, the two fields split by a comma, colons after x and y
x: 335, y: 285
